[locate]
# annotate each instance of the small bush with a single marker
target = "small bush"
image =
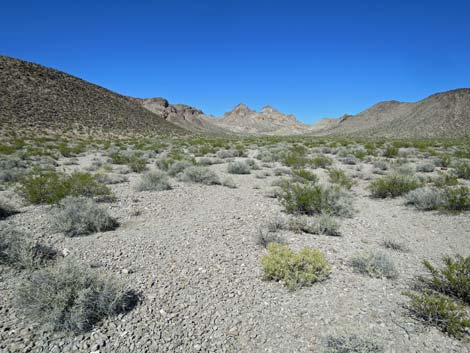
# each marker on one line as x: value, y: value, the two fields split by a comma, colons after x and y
x: 81, y: 216
x: 452, y: 279
x: 445, y: 179
x: 426, y: 198
x: 72, y: 297
x: 20, y: 251
x: 321, y: 161
x: 178, y: 167
x: 339, y: 177
x: 349, y: 160
x: 458, y: 199
x: 229, y: 182
x: 390, y: 152
x: 200, y: 175
x: 305, y: 175
x: 315, y: 199
x: 227, y: 154
x: 51, y: 187
x: 294, y: 160
x: 153, y: 181
x: 238, y: 167
x: 350, y: 344
x: 323, y: 224
x: 295, y: 270
x: 393, y: 185
x: 425, y: 168
x: 376, y: 265
x: 265, y: 237
x: 462, y: 170
x: 109, y: 179
x: 441, y: 311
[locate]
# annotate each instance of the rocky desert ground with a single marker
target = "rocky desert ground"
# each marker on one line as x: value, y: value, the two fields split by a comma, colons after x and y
x: 234, y: 245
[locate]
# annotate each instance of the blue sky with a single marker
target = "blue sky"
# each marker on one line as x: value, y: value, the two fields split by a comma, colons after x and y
x: 311, y: 58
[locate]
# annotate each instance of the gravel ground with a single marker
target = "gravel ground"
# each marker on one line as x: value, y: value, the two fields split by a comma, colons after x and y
x: 192, y: 253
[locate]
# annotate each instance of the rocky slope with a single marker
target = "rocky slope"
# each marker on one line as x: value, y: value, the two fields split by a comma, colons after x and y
x: 445, y: 114
x: 37, y: 97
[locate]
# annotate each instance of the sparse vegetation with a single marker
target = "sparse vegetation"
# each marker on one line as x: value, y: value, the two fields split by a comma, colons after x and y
x: 426, y: 198
x: 238, y: 167
x: 295, y: 270
x: 393, y: 185
x: 153, y: 181
x: 350, y: 344
x: 201, y: 175
x: 19, y: 250
x: 374, y: 264
x: 78, y: 216
x: 6, y: 208
x: 462, y: 170
x: 72, y: 297
x: 339, y: 177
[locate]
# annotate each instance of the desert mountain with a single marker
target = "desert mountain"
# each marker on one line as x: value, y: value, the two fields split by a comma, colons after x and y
x: 445, y: 114
x: 38, y: 97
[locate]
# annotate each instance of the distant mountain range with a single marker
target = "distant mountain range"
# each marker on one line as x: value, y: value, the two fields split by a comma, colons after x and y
x: 36, y: 97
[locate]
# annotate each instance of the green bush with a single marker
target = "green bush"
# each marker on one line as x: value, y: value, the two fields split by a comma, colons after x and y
x: 72, y: 297
x: 376, y: 265
x: 452, y: 279
x: 132, y: 160
x: 393, y: 185
x: 321, y: 161
x: 20, y: 251
x: 313, y: 199
x: 390, y: 152
x: 296, y: 270
x: 445, y: 179
x: 294, y: 160
x: 441, y: 311
x: 305, y: 175
x: 51, y: 187
x: 462, y: 170
x: 80, y: 215
x: 339, y: 177
x: 458, y: 199
x: 153, y: 181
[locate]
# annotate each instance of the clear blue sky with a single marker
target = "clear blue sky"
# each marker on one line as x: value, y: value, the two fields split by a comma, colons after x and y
x: 310, y: 58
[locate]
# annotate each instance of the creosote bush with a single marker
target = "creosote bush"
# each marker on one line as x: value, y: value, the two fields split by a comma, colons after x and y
x: 458, y: 199
x: 20, y: 251
x: 321, y: 161
x: 153, y: 181
x: 338, y: 176
x: 202, y: 175
x: 374, y: 264
x: 393, y: 185
x: 302, y: 175
x: 438, y: 310
x: 51, y: 187
x: 295, y: 270
x: 311, y: 199
x: 462, y: 170
x: 77, y: 216
x: 238, y: 167
x: 72, y: 297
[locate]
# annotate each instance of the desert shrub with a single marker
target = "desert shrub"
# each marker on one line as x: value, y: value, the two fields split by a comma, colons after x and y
x: 202, y: 175
x: 374, y: 264
x: 462, y: 170
x: 77, y: 216
x: 390, y: 151
x: 238, y: 167
x: 393, y: 185
x: 178, y: 167
x: 229, y: 182
x: 19, y: 250
x: 252, y: 164
x: 281, y: 171
x: 404, y: 169
x: 296, y: 270
x: 109, y: 179
x: 452, y: 279
x: 305, y: 175
x: 51, y: 187
x: 264, y: 237
x: 327, y: 225
x: 426, y: 198
x: 394, y: 245
x: 425, y: 168
x: 72, y: 297
x: 339, y: 177
x: 441, y: 311
x: 311, y: 199
x: 276, y: 224
x: 227, y: 154
x: 323, y: 224
x: 209, y: 161
x: 350, y: 344
x: 380, y: 165
x: 321, y: 161
x: 445, y: 179
x: 458, y: 199
x: 6, y: 208
x: 153, y: 181
x: 12, y: 168
x: 294, y: 160
x: 349, y: 160
x: 164, y: 163
x: 136, y: 163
